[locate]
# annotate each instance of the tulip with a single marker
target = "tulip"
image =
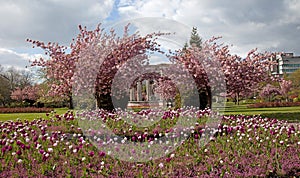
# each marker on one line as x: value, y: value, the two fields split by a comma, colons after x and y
x: 35, y: 138
x: 3, y: 149
x: 19, y: 152
x: 91, y: 153
x: 50, y: 150
x: 19, y: 142
x: 281, y: 142
x: 101, y: 154
x: 9, y: 148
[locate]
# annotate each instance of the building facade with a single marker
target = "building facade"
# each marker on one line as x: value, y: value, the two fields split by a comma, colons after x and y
x: 287, y: 63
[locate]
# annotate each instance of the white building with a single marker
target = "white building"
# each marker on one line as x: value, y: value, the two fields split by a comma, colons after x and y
x: 287, y: 63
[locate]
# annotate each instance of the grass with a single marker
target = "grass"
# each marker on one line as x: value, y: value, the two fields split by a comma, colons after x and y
x: 28, y: 116
x: 292, y: 114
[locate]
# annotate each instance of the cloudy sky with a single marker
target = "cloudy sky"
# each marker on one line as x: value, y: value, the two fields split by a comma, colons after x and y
x: 269, y: 25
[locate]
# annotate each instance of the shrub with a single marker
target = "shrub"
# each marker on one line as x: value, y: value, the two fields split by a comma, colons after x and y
x: 273, y: 104
x: 25, y: 110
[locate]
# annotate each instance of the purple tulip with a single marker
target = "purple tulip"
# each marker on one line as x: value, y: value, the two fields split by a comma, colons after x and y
x: 35, y: 138
x: 3, y: 149
x: 101, y: 154
x: 9, y: 148
x: 133, y: 138
x: 19, y: 152
x: 91, y: 153
x: 19, y: 142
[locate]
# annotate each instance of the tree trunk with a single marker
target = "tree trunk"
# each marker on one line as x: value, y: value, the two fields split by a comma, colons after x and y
x: 238, y: 98
x: 71, y: 106
x: 209, y: 97
x: 205, y: 98
x: 104, y: 102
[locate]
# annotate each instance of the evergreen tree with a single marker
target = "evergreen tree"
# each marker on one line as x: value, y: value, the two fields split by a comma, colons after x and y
x: 195, y: 38
x: 185, y: 46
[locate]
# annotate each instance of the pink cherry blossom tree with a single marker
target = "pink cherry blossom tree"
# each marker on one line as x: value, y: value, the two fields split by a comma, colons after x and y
x: 17, y: 94
x: 285, y: 87
x: 269, y: 91
x: 203, y: 65
x: 29, y: 93
x: 166, y: 88
x: 105, y: 56
x: 96, y: 56
x: 243, y: 75
x: 60, y: 67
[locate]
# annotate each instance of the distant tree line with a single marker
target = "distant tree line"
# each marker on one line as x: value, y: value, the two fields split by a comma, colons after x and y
x: 11, y: 79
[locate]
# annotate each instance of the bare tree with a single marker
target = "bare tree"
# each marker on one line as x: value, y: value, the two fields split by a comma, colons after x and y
x: 10, y: 79
x: 4, y: 88
x: 18, y: 78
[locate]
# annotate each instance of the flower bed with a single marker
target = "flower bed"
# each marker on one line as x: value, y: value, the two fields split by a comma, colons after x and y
x: 242, y: 146
x: 25, y: 110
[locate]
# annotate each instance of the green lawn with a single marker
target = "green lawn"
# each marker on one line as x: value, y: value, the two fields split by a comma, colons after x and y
x: 292, y: 114
x: 28, y: 116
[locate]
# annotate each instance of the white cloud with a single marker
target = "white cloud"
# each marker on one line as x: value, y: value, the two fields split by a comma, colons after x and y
x: 244, y: 24
x: 48, y: 20
x: 158, y: 59
x: 125, y: 3
x: 10, y: 58
x: 130, y: 9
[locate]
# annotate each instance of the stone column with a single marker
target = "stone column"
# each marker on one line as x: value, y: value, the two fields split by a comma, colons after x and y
x: 160, y: 97
x: 131, y: 94
x: 148, y: 94
x: 151, y: 92
x: 139, y: 91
